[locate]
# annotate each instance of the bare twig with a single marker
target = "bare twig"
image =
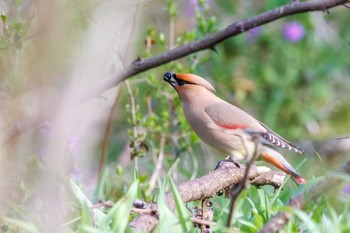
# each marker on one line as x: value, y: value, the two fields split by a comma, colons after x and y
x: 114, y: 106
x: 235, y: 191
x: 203, y: 215
x: 347, y: 5
x: 101, y: 203
x: 107, y: 135
x: 142, y: 211
x: 207, y: 42
x: 133, y: 122
x: 158, y: 167
x: 202, y: 222
x: 338, y: 146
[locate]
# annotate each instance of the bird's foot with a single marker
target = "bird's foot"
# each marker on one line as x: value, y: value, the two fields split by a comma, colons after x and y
x: 229, y: 159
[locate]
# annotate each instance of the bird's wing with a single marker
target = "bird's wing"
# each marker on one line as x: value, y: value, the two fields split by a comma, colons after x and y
x: 277, y: 140
x: 229, y: 117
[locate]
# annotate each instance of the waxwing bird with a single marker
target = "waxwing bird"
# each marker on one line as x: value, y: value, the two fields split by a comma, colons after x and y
x: 222, y: 125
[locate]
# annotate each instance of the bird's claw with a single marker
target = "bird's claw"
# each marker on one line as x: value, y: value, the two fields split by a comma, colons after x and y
x: 229, y: 159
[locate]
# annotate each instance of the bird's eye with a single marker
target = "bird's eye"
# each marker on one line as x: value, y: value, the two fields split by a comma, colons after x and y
x: 180, y: 82
x: 167, y: 76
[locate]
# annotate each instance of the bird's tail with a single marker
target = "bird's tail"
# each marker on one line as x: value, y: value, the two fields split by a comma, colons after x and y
x: 275, y: 158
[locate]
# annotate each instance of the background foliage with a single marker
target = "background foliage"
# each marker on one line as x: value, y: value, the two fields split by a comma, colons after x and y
x: 291, y: 74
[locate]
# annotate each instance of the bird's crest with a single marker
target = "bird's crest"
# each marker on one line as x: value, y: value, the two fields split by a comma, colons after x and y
x: 195, y: 79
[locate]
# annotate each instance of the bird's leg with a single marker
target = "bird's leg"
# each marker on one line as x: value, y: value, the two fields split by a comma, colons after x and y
x: 203, y: 213
x: 230, y: 159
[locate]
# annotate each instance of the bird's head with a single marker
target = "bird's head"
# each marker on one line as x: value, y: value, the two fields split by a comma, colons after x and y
x: 187, y: 82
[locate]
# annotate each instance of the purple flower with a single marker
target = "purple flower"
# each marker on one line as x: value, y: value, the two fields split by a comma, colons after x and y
x: 293, y: 31
x: 43, y: 153
x: 76, y: 174
x: 192, y: 5
x: 253, y: 34
x: 73, y: 143
x: 47, y: 128
x: 346, y: 189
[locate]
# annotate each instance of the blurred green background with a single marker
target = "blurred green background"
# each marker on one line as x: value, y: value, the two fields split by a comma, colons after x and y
x: 291, y: 74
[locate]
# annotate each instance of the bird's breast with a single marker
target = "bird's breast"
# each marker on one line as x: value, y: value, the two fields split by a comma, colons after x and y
x: 202, y: 125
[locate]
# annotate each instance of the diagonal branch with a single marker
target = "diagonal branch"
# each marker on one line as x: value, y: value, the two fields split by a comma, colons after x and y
x: 203, y: 188
x: 229, y: 174
x: 225, y: 176
x: 207, y: 42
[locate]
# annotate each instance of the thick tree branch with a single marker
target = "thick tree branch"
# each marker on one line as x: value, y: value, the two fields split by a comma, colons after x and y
x: 207, y: 42
x: 278, y: 222
x: 205, y: 187
x: 225, y: 176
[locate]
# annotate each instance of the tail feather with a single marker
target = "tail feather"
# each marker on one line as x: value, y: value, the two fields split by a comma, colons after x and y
x: 273, y: 157
x: 277, y: 140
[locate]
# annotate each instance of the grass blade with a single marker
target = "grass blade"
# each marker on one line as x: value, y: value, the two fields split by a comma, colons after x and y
x: 182, y: 211
x: 120, y: 213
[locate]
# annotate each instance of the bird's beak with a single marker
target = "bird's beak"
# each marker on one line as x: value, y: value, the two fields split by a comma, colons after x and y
x: 170, y: 78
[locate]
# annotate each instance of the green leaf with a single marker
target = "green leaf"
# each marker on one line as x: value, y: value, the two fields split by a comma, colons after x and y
x: 136, y: 174
x: 171, y: 170
x: 73, y: 221
x: 101, y: 184
x: 183, y: 213
x: 340, y: 175
x: 251, y: 202
x: 3, y: 18
x: 83, y: 200
x: 277, y: 193
x: 89, y: 229
x: 250, y: 226
x: 25, y: 226
x: 168, y: 221
x: 310, y: 224
x: 172, y: 9
x: 120, y: 212
x: 258, y: 220
x: 86, y: 218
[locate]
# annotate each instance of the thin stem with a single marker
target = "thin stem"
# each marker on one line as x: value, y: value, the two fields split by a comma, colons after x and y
x: 203, y: 214
x: 158, y: 167
x: 236, y: 190
x: 202, y: 222
x: 133, y: 121
x: 107, y: 135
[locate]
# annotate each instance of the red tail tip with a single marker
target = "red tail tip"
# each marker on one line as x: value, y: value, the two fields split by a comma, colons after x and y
x: 301, y: 180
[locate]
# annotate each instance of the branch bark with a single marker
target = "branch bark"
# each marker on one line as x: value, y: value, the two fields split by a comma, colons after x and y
x: 207, y: 42
x: 226, y: 173
x: 206, y: 187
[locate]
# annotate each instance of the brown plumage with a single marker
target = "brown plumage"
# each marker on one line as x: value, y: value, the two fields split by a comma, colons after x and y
x: 222, y: 125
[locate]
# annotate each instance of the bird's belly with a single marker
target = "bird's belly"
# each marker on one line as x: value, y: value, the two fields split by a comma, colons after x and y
x: 219, y: 140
